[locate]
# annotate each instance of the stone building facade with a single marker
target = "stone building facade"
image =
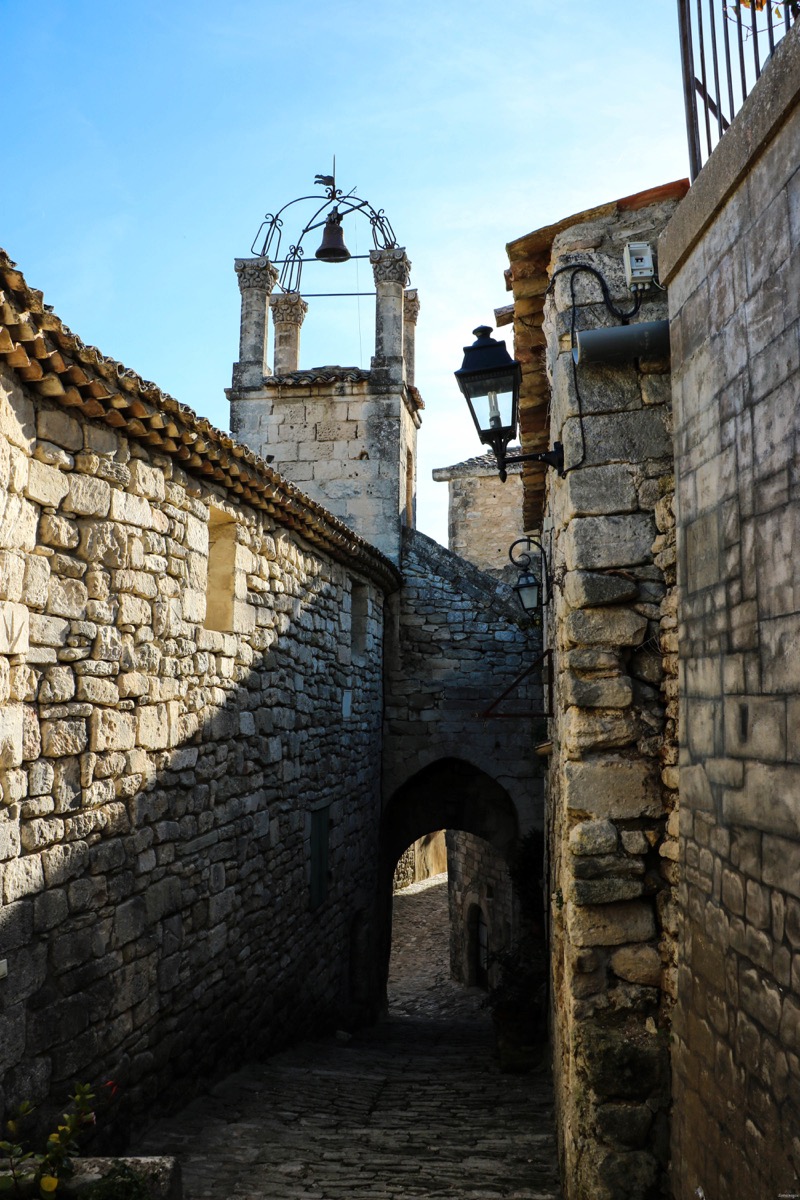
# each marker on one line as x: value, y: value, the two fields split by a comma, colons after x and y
x: 211, y: 751
x: 483, y: 512
x: 672, y: 794
x: 483, y: 522
x: 611, y: 785
x: 484, y: 914
x: 346, y: 436
x: 191, y: 731
x: 731, y: 260
x: 455, y: 637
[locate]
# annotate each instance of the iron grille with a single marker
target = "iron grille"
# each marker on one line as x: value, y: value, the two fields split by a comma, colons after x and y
x: 725, y: 45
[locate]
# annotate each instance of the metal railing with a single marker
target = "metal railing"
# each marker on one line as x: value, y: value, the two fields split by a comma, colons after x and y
x: 724, y: 47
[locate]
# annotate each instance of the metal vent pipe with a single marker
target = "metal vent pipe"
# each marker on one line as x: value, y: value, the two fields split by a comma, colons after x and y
x: 621, y: 343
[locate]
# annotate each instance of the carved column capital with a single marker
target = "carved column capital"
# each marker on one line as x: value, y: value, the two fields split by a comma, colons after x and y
x: 410, y: 306
x: 390, y: 266
x: 288, y: 308
x: 255, y: 273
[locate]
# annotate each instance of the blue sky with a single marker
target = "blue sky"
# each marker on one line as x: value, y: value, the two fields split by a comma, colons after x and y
x: 144, y: 143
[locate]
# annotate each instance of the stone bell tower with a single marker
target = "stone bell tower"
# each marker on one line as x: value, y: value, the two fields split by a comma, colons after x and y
x: 347, y: 437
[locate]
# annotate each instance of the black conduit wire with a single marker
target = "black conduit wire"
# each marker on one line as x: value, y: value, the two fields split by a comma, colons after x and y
x: 576, y: 269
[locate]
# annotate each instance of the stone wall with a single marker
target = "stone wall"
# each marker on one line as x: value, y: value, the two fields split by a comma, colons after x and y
x: 484, y: 515
x: 423, y: 859
x: 484, y: 520
x: 732, y: 257
x: 190, y: 790
x: 456, y: 640
x: 611, y: 778
x: 478, y: 879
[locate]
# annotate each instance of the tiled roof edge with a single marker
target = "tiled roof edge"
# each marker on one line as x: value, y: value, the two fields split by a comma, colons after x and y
x: 483, y: 464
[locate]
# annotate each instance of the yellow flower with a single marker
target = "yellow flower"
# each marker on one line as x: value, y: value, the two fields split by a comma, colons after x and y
x: 48, y: 1183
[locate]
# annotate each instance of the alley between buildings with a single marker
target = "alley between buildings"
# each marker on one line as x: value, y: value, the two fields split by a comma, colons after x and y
x: 415, y: 1106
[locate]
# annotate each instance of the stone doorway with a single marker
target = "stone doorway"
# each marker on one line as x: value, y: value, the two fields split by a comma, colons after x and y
x: 478, y: 948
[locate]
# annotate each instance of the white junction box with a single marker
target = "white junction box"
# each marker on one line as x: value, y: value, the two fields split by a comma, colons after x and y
x: 639, y: 267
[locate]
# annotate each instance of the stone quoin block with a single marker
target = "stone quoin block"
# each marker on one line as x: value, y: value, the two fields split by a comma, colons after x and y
x: 611, y: 924
x: 608, y: 541
x: 611, y: 788
x: 597, y: 627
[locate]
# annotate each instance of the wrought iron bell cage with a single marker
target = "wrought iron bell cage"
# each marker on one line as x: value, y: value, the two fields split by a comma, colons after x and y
x: 334, y: 207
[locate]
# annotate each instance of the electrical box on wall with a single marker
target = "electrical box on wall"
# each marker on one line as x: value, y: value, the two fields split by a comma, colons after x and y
x: 639, y: 267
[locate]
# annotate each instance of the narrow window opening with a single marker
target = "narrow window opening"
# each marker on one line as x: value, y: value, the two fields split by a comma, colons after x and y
x: 478, y: 942
x: 409, y: 509
x: 221, y: 571
x: 359, y: 607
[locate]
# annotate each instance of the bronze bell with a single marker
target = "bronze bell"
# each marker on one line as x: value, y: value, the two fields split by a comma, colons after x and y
x: 332, y: 248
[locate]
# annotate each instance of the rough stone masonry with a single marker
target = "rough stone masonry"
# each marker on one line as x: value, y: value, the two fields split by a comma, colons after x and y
x: 195, y: 761
x: 189, y: 735
x: 608, y: 533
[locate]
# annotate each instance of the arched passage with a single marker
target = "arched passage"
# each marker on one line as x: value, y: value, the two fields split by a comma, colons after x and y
x: 450, y: 793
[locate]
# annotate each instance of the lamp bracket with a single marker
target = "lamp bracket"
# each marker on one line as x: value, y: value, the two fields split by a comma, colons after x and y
x: 553, y: 458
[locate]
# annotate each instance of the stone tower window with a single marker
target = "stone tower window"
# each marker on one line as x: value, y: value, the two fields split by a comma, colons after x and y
x: 359, y: 604
x: 409, y: 508
x: 221, y: 570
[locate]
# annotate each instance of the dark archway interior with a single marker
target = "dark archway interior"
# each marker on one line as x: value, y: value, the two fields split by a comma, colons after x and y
x: 451, y: 793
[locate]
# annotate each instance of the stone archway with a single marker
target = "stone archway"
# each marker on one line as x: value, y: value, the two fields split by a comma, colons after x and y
x: 450, y: 793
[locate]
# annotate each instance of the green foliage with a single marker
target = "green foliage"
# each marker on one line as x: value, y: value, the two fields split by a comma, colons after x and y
x: 26, y: 1172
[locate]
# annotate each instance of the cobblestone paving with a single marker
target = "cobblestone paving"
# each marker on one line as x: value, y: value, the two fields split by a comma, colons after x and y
x: 413, y: 1107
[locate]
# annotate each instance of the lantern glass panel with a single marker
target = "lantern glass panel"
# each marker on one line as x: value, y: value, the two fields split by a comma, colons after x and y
x: 493, y: 405
x: 528, y: 590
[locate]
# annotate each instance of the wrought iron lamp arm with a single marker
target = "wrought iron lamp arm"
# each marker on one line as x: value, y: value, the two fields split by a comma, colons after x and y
x: 523, y: 557
x: 523, y: 560
x: 553, y: 458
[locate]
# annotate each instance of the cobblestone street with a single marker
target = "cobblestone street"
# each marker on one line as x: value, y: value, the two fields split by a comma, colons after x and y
x: 413, y: 1107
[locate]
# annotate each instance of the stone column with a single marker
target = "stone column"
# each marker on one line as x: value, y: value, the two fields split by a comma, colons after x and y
x: 257, y: 277
x: 288, y: 313
x: 410, y: 314
x: 391, y: 270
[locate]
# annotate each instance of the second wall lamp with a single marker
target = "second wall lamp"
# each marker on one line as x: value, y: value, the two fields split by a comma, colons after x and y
x: 532, y: 590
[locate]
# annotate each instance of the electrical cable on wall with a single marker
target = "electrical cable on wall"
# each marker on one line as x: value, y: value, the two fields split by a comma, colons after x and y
x: 575, y: 269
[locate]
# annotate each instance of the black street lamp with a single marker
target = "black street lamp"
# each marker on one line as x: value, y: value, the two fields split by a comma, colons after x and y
x: 532, y: 590
x: 489, y: 379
